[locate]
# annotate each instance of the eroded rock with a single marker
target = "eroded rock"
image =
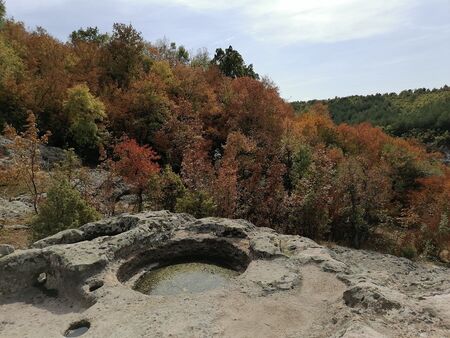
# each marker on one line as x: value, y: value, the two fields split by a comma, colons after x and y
x: 372, y: 297
x: 284, y: 286
x: 6, y: 249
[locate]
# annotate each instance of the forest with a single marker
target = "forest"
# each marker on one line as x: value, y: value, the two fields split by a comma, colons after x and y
x: 423, y: 114
x: 210, y: 137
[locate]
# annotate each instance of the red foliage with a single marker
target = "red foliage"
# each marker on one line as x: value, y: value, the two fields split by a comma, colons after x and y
x: 136, y: 164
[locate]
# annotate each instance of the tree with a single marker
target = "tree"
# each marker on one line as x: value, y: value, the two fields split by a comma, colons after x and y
x: 428, y: 214
x: 125, y: 54
x: 26, y: 157
x: 2, y: 12
x: 197, y: 171
x: 170, y: 52
x: 84, y: 114
x: 361, y: 197
x: 11, y: 66
x: 197, y: 203
x: 165, y: 189
x: 308, y: 207
x: 201, y: 59
x: 231, y: 64
x: 136, y: 164
x: 89, y: 35
x: 63, y: 209
x: 12, y: 74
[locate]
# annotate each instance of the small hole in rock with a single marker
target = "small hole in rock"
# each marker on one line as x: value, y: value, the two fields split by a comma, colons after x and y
x: 77, y: 329
x: 41, y: 284
x: 95, y: 285
x: 42, y: 278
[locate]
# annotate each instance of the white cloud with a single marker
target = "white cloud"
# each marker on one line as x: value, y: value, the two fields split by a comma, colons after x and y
x: 282, y: 21
x: 288, y: 21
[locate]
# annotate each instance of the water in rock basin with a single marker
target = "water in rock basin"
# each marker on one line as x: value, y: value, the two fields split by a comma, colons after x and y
x: 184, y: 277
x: 79, y: 331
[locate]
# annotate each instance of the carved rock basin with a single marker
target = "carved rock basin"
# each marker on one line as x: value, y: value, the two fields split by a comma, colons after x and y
x: 188, y: 277
x: 161, y: 274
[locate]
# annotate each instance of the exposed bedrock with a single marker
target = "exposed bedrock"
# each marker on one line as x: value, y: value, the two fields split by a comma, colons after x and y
x: 284, y: 286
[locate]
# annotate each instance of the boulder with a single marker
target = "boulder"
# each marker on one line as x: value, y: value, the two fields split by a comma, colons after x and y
x: 6, y: 249
x: 444, y: 255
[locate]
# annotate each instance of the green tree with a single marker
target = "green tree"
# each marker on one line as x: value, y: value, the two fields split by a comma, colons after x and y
x: 125, y: 54
x: 197, y: 203
x: 84, y: 113
x: 11, y: 75
x: 231, y: 63
x: 2, y: 12
x: 165, y: 189
x: 63, y: 209
x: 90, y: 34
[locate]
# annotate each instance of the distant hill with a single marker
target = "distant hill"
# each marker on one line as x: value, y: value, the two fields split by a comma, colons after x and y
x: 420, y: 113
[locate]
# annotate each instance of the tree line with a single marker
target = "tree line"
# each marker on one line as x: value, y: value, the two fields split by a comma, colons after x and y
x: 422, y: 113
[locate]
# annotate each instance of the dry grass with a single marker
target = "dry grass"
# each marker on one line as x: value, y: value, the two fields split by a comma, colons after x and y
x: 19, y: 238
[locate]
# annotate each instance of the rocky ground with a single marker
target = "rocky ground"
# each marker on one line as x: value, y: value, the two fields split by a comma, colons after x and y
x: 289, y: 286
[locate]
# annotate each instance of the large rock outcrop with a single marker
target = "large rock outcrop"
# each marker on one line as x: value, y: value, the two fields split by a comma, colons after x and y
x: 288, y: 286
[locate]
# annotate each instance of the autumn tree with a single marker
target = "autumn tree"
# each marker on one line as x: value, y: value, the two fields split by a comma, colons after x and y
x: 48, y: 63
x: 197, y: 171
x: 25, y: 149
x: 136, y: 164
x: 226, y: 190
x: 428, y: 214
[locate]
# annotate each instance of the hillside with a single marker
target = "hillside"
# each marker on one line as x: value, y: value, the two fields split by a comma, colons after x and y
x: 207, y: 136
x: 420, y: 113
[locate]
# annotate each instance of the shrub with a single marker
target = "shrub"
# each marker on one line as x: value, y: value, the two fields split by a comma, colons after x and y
x: 165, y: 189
x: 197, y: 203
x: 409, y: 251
x: 63, y: 209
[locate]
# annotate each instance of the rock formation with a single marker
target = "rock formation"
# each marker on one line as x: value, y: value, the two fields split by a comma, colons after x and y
x: 288, y: 286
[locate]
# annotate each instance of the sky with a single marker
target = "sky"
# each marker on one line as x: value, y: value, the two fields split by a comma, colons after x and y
x: 311, y: 49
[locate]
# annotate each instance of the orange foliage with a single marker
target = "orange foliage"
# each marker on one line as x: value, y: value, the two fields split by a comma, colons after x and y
x: 136, y: 164
x: 235, y: 140
x: 429, y: 211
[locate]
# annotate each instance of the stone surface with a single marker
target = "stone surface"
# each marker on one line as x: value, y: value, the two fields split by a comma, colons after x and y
x: 49, y: 155
x: 6, y: 249
x: 359, y: 330
x: 444, y: 255
x: 288, y: 286
x: 11, y: 209
x: 63, y: 237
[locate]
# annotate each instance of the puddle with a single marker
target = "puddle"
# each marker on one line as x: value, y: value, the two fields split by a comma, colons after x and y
x: 77, y: 329
x: 184, y: 278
